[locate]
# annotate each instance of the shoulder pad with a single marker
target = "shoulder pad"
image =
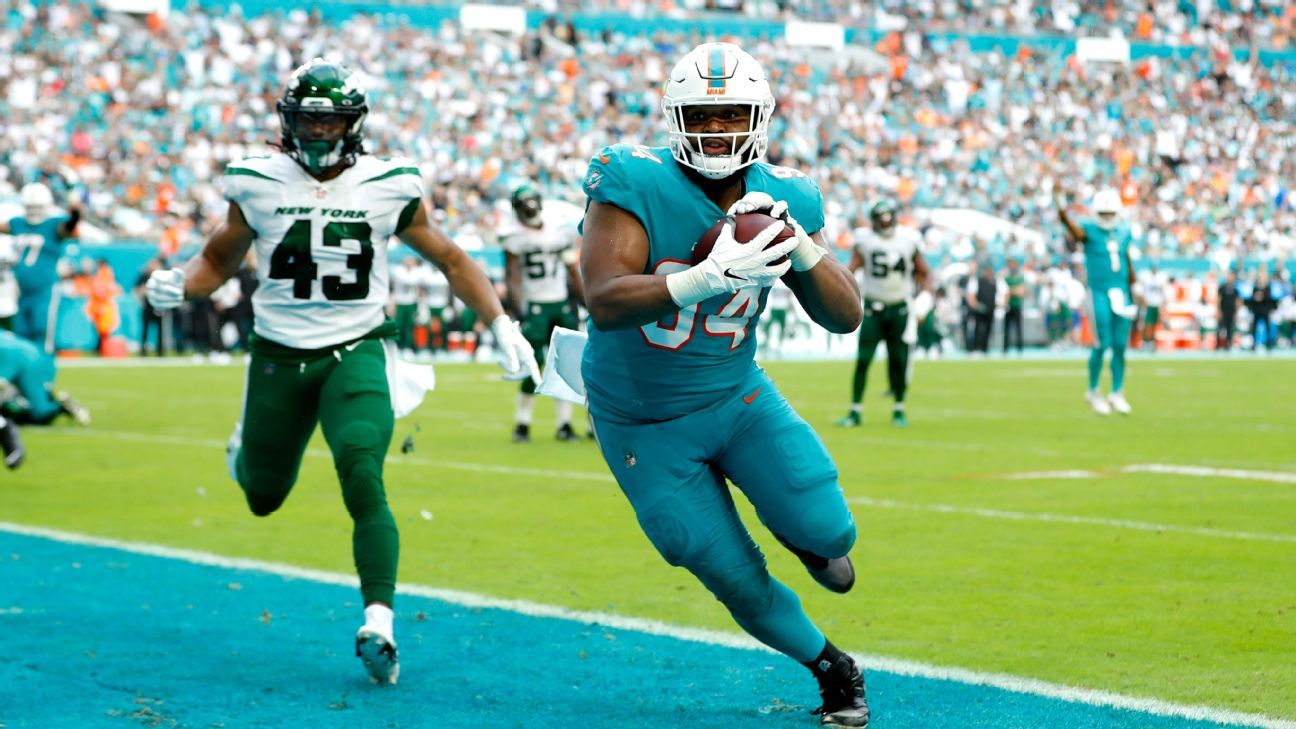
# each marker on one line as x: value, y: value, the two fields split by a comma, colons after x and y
x: 798, y: 190
x: 613, y: 168
x: 250, y: 175
x: 400, y: 173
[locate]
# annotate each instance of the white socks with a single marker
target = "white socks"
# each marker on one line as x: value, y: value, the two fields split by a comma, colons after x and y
x: 525, y: 406
x: 379, y: 617
x: 564, y: 410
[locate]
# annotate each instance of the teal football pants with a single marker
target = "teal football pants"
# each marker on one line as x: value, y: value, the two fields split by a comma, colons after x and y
x: 1110, y: 332
x: 674, y: 473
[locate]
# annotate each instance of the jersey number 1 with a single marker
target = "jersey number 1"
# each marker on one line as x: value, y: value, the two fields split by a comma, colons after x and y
x: 292, y: 260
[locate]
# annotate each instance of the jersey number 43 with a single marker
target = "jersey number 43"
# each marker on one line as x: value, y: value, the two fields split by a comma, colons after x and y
x: 292, y: 260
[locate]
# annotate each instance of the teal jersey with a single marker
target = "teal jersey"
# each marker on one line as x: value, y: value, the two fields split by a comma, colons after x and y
x: 691, y: 359
x: 17, y: 355
x: 1106, y: 256
x: 39, y: 249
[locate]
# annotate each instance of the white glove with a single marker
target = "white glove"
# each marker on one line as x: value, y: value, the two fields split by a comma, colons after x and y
x: 807, y: 253
x: 732, y: 266
x: 513, y: 351
x: 922, y: 305
x: 165, y: 289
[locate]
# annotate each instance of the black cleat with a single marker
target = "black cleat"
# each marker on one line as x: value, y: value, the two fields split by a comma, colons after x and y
x: 836, y: 574
x: 566, y: 433
x: 522, y: 433
x: 12, y: 444
x: 842, y: 691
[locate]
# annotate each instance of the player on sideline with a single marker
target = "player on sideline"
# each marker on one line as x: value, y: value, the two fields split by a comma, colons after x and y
x: 40, y: 234
x: 1106, y: 242
x: 892, y: 262
x: 677, y: 401
x: 321, y: 212
x: 540, y: 270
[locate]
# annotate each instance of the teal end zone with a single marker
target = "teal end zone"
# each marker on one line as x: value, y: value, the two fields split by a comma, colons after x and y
x: 99, y: 637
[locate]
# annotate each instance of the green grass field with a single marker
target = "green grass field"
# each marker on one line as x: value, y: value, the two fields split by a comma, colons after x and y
x: 1067, y: 580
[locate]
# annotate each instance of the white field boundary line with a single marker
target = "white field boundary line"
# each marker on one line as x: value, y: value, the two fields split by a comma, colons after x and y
x: 1161, y: 468
x: 653, y: 627
x: 1071, y: 519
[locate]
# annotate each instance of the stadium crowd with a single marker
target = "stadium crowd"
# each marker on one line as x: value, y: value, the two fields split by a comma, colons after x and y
x: 136, y: 117
x: 1269, y: 23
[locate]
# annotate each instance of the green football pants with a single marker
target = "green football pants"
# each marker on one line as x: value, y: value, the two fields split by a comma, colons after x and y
x: 883, y: 323
x: 346, y: 392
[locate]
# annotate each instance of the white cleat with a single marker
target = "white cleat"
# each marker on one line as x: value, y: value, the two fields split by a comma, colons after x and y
x: 1119, y: 403
x: 232, y: 448
x: 1098, y: 402
x: 378, y: 652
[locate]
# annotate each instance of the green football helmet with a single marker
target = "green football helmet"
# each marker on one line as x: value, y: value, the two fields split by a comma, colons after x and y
x: 883, y: 215
x: 323, y: 88
x: 527, y: 204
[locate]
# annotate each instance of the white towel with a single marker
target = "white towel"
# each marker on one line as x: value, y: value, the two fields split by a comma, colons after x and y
x: 562, y: 378
x: 408, y: 382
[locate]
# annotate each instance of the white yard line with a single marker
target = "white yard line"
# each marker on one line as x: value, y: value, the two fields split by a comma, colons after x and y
x: 1239, y: 473
x: 1162, y: 468
x: 1142, y: 526
x: 219, y: 447
x: 696, y: 635
x: 1048, y: 475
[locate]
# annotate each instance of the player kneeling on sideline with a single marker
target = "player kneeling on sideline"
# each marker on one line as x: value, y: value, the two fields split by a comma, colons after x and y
x: 677, y: 401
x: 321, y: 212
x: 30, y: 397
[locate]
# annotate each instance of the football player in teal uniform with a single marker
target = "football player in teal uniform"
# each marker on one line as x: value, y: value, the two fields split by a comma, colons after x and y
x: 31, y: 398
x: 40, y: 233
x: 677, y: 401
x: 1110, y: 278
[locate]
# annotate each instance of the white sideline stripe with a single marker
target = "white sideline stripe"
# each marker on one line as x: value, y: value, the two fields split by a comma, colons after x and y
x: 1070, y: 519
x: 1275, y: 476
x: 695, y: 635
x: 319, y: 453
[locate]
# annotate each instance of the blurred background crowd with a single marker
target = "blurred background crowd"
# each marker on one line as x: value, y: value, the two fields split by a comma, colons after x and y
x: 134, y: 117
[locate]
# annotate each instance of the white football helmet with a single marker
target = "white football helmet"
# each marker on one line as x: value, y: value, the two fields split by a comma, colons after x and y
x: 1107, y: 206
x: 37, y: 202
x: 718, y: 74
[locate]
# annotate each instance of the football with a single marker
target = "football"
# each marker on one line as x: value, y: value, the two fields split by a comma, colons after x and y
x: 746, y: 227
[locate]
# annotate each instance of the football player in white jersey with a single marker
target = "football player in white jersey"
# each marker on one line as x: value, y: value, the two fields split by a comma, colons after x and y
x: 320, y: 213
x: 540, y: 271
x: 892, y: 261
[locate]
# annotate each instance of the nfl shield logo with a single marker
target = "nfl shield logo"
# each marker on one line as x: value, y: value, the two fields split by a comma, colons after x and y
x: 630, y: 459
